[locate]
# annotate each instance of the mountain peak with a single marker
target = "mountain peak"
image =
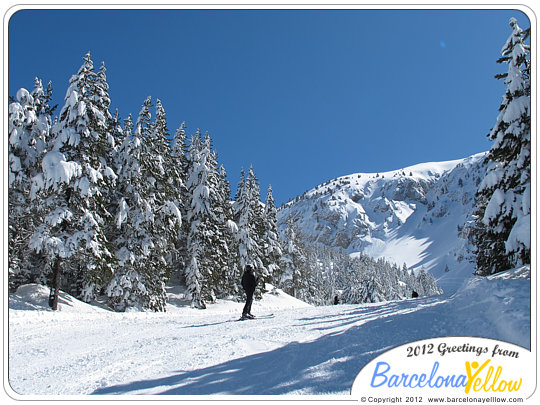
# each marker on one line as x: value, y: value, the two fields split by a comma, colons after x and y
x: 414, y: 215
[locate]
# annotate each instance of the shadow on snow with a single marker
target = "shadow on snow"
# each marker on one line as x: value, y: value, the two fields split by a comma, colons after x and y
x: 326, y: 365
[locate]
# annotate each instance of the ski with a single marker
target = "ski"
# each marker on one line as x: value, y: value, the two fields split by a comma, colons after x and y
x: 267, y: 316
x: 264, y: 316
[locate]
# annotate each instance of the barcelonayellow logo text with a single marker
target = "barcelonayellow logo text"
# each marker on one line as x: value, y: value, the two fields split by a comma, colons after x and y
x: 451, y: 365
x: 477, y: 377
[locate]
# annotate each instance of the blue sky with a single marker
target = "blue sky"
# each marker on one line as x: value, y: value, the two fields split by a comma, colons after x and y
x: 302, y: 95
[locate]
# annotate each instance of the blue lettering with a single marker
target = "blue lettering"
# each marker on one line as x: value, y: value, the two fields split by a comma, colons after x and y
x: 381, y: 374
x: 381, y: 377
x: 433, y: 372
x: 421, y: 381
x: 415, y: 378
x: 404, y: 378
x: 461, y: 381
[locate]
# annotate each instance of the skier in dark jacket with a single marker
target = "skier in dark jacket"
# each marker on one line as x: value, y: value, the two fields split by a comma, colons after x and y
x: 249, y: 282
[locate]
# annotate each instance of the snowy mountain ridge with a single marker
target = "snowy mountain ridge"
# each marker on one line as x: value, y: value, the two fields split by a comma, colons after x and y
x: 416, y: 215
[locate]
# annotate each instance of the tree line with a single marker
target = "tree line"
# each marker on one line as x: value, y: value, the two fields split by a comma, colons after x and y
x: 100, y: 207
x: 318, y: 274
x: 103, y: 207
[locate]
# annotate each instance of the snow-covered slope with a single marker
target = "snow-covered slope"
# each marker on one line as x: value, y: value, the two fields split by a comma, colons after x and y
x: 84, y: 350
x: 415, y: 215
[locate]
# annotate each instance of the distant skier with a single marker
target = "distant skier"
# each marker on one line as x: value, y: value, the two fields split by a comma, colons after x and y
x: 336, y: 300
x: 249, y: 282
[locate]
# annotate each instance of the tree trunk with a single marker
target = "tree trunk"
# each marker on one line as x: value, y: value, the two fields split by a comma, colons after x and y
x: 55, y: 285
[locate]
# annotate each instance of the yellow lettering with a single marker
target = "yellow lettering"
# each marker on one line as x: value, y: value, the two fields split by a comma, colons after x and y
x: 488, y: 376
x: 470, y: 375
x: 501, y: 387
x: 497, y: 374
x: 487, y: 384
x: 515, y: 387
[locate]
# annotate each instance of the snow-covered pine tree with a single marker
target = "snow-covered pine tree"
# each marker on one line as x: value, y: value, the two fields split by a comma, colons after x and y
x: 239, y: 188
x: 28, y: 128
x: 388, y: 275
x: 126, y: 288
x: 242, y: 215
x: 331, y: 262
x: 502, y: 233
x: 75, y: 178
x: 316, y: 274
x: 178, y: 177
x: 206, y: 249
x: 408, y: 281
x: 42, y: 98
x: 222, y: 228
x: 231, y: 273
x: 363, y: 281
x: 193, y: 277
x: 179, y: 151
x: 369, y: 280
x: 294, y: 263
x: 272, y: 249
x: 417, y: 286
x: 322, y: 286
x: 255, y: 252
x: 167, y: 215
x: 427, y: 283
x: 248, y: 213
x: 132, y: 233
x: 351, y: 281
x: 372, y: 288
x: 147, y: 218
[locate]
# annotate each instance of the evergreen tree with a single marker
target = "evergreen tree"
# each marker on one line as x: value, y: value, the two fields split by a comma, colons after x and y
x: 100, y: 205
x: 165, y: 200
x: 231, y: 273
x: 178, y: 177
x: 427, y: 283
x: 248, y: 213
x: 206, y: 248
x: 42, y: 98
x: 220, y: 225
x: 28, y: 129
x: 502, y: 233
x: 76, y: 176
x: 372, y: 289
x: 147, y: 221
x: 272, y: 250
x: 294, y: 262
x: 132, y: 234
x: 360, y: 279
x: 407, y: 277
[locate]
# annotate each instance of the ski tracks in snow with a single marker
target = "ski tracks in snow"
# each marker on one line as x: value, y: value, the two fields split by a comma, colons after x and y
x: 82, y: 350
x: 300, y: 350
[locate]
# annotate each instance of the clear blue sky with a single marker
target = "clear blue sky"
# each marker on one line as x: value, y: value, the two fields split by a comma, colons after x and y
x: 303, y: 95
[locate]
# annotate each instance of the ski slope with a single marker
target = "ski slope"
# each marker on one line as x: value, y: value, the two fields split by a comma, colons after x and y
x: 88, y: 350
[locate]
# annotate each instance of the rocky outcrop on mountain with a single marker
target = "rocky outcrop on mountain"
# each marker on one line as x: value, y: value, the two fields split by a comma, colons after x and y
x: 406, y: 214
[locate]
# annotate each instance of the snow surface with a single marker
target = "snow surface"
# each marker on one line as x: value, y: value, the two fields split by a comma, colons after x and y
x: 88, y: 350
